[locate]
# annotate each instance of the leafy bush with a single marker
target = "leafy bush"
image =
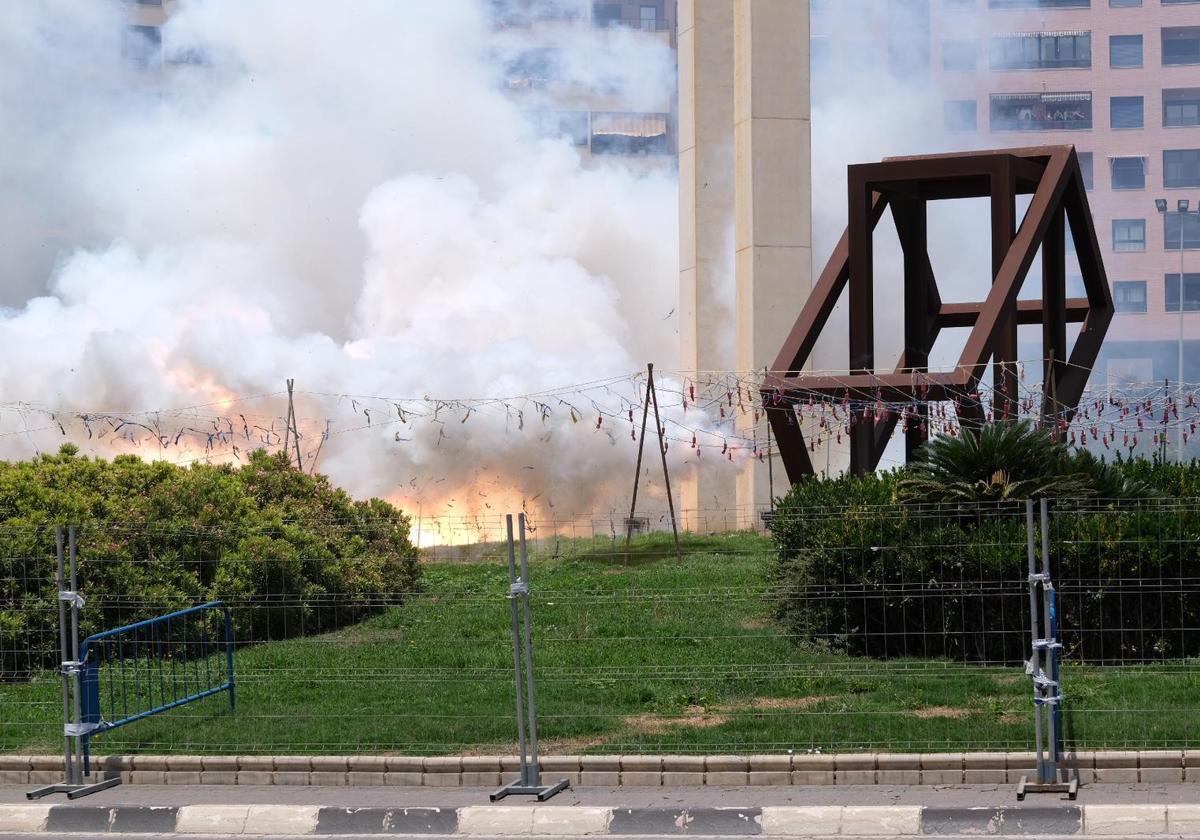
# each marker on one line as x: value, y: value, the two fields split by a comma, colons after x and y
x: 861, y: 573
x: 293, y: 554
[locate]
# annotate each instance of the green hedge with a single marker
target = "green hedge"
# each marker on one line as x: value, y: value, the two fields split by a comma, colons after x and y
x: 290, y: 552
x: 859, y: 573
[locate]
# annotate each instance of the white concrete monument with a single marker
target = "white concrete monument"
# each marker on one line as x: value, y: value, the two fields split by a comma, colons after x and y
x: 745, y: 205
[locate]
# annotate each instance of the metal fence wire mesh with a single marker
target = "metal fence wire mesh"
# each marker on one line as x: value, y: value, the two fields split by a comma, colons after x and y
x: 896, y: 629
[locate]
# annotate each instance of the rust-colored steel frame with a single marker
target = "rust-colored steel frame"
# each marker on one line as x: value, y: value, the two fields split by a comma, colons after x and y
x: 906, y: 185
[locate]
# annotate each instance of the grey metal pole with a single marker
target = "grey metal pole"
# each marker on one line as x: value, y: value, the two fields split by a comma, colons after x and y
x: 637, y: 471
x: 535, y: 773
x: 516, y: 641
x: 1179, y: 429
x: 1051, y: 670
x: 663, y: 452
x: 1035, y: 662
x: 64, y: 648
x: 77, y: 680
x: 770, y: 468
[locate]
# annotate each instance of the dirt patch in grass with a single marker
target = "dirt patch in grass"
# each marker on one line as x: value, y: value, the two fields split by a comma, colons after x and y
x: 755, y: 623
x: 931, y: 712
x: 552, y: 746
x: 787, y: 702
x: 694, y: 717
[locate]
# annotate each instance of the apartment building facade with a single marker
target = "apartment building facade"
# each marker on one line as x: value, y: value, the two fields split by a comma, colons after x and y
x: 602, y: 117
x: 1119, y: 79
x: 597, y: 118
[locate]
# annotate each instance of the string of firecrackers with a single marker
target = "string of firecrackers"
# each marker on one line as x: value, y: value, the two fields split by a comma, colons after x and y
x: 732, y: 412
x: 1112, y: 417
x: 722, y: 413
x: 214, y: 435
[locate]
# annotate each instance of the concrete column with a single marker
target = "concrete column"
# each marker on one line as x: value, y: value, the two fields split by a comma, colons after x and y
x: 772, y: 194
x: 706, y: 211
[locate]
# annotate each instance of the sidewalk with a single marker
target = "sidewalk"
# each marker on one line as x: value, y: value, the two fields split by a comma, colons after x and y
x: 863, y: 811
x: 957, y: 796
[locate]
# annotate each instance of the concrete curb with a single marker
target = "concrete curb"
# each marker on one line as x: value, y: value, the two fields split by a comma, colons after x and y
x: 1112, y: 767
x: 530, y: 820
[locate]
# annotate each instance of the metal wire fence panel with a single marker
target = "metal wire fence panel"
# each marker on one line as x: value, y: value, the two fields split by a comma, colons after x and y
x: 888, y: 629
x: 1130, y: 574
x: 150, y: 667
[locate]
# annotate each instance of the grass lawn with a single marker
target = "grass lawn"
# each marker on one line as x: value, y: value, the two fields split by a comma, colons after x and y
x: 635, y: 653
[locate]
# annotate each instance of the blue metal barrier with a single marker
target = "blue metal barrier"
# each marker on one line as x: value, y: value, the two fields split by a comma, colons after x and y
x: 152, y: 666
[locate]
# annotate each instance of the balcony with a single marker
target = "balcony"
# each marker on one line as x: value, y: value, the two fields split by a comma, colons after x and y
x: 1041, y: 111
x: 1039, y: 4
x: 630, y: 134
x: 1042, y: 51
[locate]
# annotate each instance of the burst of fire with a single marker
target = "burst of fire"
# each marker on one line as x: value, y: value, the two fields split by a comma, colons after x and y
x: 449, y: 521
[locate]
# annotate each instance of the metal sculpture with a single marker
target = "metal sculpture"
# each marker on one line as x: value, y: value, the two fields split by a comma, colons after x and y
x: 1052, y: 175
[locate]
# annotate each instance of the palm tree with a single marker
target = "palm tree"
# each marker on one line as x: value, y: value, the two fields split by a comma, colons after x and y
x: 1006, y: 462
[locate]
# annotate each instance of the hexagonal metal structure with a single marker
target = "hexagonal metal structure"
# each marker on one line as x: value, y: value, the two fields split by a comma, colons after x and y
x: 1052, y: 176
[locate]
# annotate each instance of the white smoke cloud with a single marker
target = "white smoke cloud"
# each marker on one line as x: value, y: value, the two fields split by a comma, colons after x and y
x: 342, y: 196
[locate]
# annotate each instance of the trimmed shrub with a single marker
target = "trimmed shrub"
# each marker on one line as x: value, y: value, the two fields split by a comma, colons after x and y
x: 861, y: 574
x: 293, y: 554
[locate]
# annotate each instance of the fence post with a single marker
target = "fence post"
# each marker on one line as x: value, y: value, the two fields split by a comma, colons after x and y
x: 75, y: 727
x: 229, y: 657
x: 1042, y: 666
x: 530, y: 781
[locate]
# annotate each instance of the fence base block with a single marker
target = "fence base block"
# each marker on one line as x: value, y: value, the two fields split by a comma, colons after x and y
x: 1071, y: 788
x: 74, y: 791
x: 519, y: 788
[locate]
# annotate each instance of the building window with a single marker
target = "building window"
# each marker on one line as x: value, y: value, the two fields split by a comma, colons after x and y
x: 1126, y: 112
x: 1123, y: 373
x: 1190, y: 224
x: 1121, y: 4
x: 142, y: 47
x: 961, y: 115
x: 1129, y: 295
x: 1085, y: 168
x: 1129, y: 235
x: 1039, y: 4
x: 1181, y: 168
x: 536, y: 68
x: 960, y: 55
x: 1125, y: 51
x: 1042, y: 50
x: 1181, y: 107
x: 606, y: 14
x: 1191, y: 292
x: 649, y: 18
x: 1178, y: 2
x: 909, y: 44
x: 1181, y: 45
x: 573, y: 125
x: 1129, y: 173
x: 1041, y: 111
x: 629, y: 134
